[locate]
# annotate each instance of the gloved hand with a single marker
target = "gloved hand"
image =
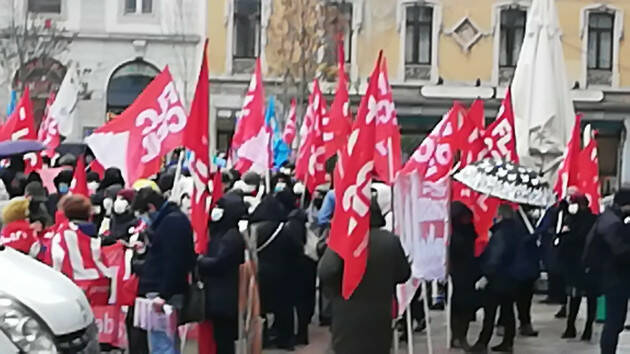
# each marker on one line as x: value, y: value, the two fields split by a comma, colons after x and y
x: 481, y: 283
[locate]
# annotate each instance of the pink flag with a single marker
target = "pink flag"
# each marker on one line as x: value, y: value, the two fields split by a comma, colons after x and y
x: 251, y: 138
x: 146, y: 131
x: 290, y: 128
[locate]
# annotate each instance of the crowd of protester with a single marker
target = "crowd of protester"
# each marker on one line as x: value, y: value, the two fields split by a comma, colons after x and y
x: 286, y: 228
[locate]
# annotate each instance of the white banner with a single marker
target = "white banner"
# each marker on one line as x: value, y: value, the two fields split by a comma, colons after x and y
x: 421, y: 214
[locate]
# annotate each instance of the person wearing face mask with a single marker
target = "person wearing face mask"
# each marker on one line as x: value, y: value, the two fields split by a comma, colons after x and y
x: 109, y: 196
x: 62, y: 183
x: 123, y: 221
x: 578, y: 221
x: 93, y: 182
x: 607, y: 253
x: 278, y: 254
x: 219, y: 268
x: 112, y: 176
x: 170, y: 257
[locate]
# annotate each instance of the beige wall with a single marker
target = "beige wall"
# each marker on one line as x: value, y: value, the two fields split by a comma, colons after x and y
x: 379, y: 31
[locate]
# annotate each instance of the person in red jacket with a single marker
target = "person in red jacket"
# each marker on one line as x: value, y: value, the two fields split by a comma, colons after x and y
x: 17, y: 232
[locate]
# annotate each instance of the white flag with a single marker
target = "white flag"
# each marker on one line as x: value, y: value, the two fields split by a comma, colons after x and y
x: 63, y: 110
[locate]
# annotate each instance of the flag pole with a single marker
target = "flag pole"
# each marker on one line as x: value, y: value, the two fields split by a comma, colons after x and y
x: 427, y: 316
x: 409, y: 331
x: 178, y: 174
x: 449, y: 311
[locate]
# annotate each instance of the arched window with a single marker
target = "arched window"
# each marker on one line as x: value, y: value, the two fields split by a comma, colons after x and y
x: 127, y: 82
x: 42, y: 76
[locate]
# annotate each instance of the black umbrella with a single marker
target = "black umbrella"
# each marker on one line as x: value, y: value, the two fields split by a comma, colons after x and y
x: 19, y: 147
x: 506, y: 180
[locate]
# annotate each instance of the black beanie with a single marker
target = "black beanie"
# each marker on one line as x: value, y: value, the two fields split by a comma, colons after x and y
x: 622, y: 197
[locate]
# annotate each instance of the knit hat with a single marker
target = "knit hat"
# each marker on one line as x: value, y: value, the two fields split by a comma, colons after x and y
x: 127, y: 194
x: 36, y: 191
x: 17, y: 209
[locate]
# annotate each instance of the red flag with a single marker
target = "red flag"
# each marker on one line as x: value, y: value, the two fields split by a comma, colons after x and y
x: 588, y: 175
x: 568, y: 172
x: 251, y: 131
x: 146, y: 131
x: 387, y: 153
x: 217, y: 187
x: 96, y: 166
x: 349, y: 234
x: 310, y: 165
x: 48, y: 133
x: 196, y: 139
x: 33, y: 162
x: 336, y: 127
x: 79, y: 179
x: 21, y: 123
x: 500, y: 138
x: 470, y: 140
x: 290, y: 128
x: 434, y: 157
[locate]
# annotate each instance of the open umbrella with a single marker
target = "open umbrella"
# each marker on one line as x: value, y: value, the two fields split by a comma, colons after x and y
x: 19, y: 147
x: 508, y: 181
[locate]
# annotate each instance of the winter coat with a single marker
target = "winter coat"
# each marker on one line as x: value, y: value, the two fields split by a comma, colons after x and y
x: 277, y: 261
x: 362, y: 324
x: 497, y: 259
x: 571, y: 247
x: 171, y: 255
x: 464, y: 268
x: 120, y: 228
x: 219, y: 267
x: 607, y: 249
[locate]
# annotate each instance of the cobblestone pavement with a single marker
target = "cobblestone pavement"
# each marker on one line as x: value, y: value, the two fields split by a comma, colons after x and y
x: 548, y: 341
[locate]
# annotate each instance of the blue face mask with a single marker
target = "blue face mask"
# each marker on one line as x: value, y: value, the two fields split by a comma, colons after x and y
x: 145, y: 218
x: 63, y: 188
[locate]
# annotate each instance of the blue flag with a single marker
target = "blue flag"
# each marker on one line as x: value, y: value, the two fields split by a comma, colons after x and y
x: 279, y: 148
x: 12, y: 102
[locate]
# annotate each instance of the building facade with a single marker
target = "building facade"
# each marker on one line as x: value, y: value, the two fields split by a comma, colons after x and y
x: 117, y: 47
x: 439, y: 51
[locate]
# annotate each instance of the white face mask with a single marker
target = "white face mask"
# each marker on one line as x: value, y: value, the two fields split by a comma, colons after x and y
x: 120, y: 205
x: 216, y: 214
x: 92, y: 187
x: 107, y: 205
x: 573, y: 208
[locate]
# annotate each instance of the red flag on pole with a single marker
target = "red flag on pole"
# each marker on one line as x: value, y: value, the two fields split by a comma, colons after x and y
x: 349, y: 234
x: 387, y: 153
x: 568, y: 172
x: 48, y: 133
x: 196, y: 139
x: 336, y: 127
x: 500, y: 138
x: 79, y: 179
x: 290, y: 128
x: 310, y: 165
x: 252, y: 134
x: 21, y: 123
x: 588, y: 174
x: 146, y: 131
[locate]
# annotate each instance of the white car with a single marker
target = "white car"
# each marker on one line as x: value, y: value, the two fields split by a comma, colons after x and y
x: 41, y: 310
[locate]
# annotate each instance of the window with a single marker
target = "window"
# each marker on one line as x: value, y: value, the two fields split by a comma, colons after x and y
x: 418, y: 34
x: 600, y: 37
x: 246, y: 29
x: 138, y: 6
x: 512, y: 34
x: 45, y: 6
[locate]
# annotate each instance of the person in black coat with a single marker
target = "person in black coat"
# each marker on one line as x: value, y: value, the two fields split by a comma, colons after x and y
x: 170, y: 257
x: 498, y: 281
x: 608, y: 251
x: 363, y: 323
x: 464, y: 270
x: 578, y: 223
x: 278, y: 253
x: 305, y: 275
x: 219, y: 268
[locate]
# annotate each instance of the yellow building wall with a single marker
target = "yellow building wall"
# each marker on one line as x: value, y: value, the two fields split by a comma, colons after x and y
x: 217, y: 36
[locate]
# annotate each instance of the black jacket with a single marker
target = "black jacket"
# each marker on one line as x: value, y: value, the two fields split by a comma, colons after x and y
x: 219, y: 267
x: 171, y: 256
x: 608, y: 249
x: 464, y: 267
x: 571, y: 247
x: 498, y: 256
x: 362, y: 324
x: 278, y: 260
x: 119, y: 228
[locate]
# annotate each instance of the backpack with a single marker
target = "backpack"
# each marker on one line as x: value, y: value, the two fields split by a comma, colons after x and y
x: 525, y: 265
